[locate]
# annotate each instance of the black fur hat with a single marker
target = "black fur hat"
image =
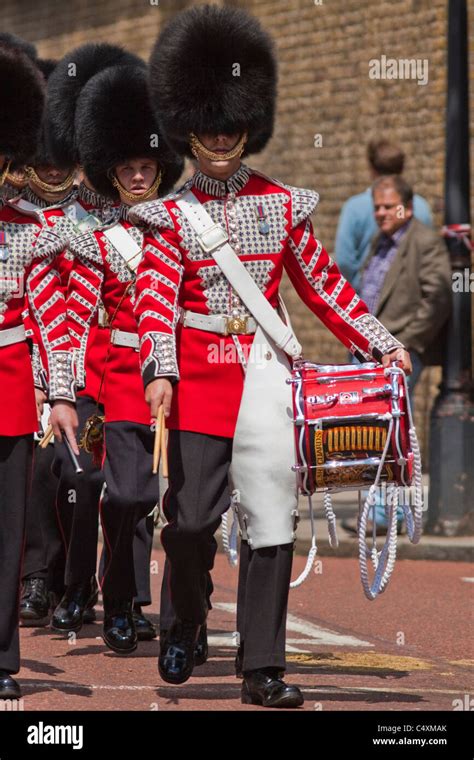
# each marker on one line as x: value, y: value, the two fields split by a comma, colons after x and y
x: 213, y: 69
x: 64, y: 87
x: 11, y: 40
x: 22, y: 101
x: 115, y: 122
x: 43, y: 155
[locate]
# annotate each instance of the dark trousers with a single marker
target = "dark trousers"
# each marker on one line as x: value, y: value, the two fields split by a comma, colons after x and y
x: 132, y: 492
x: 77, y: 504
x: 197, y: 496
x: 16, y: 454
x: 43, y: 490
x: 142, y: 548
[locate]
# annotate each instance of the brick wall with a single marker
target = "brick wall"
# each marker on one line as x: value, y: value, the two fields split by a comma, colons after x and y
x: 324, y: 51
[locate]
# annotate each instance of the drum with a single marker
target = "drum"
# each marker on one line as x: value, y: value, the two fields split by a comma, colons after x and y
x: 351, y: 424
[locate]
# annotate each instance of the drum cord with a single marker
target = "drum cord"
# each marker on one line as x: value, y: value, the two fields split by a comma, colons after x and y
x: 413, y: 518
x: 312, y: 552
x: 229, y: 541
x: 331, y: 518
x: 385, y: 560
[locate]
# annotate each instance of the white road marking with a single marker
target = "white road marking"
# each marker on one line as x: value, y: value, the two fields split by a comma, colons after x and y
x: 316, y: 635
x: 468, y: 580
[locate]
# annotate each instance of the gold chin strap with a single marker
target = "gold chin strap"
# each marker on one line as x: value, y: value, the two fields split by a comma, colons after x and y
x: 19, y: 181
x: 47, y: 188
x: 197, y: 149
x: 137, y: 196
x: 4, y: 172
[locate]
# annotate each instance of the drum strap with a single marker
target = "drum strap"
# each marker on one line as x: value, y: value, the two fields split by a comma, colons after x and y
x: 214, y: 240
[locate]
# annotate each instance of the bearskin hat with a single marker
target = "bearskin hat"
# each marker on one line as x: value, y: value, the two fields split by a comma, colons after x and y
x: 64, y: 87
x: 22, y: 101
x: 11, y: 40
x: 115, y: 122
x: 44, y: 155
x: 213, y: 70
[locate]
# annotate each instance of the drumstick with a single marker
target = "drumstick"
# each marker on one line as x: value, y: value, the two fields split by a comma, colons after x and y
x: 157, y: 442
x: 47, y: 437
x: 74, y: 460
x: 164, y: 451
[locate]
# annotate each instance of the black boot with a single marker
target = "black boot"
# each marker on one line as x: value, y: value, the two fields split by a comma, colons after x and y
x: 265, y: 687
x: 119, y: 629
x: 201, y: 650
x: 9, y: 688
x: 145, y: 629
x: 69, y: 614
x: 34, y: 603
x: 176, y: 660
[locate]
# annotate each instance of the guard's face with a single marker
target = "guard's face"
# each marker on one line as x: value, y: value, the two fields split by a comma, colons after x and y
x: 220, y: 143
x: 390, y: 213
x: 137, y: 175
x: 51, y: 174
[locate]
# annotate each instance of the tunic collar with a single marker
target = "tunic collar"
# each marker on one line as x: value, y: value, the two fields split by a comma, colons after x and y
x: 221, y: 188
x: 91, y: 197
x: 29, y: 195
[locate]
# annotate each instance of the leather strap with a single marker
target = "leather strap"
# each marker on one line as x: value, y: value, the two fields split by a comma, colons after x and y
x: 214, y: 240
x: 125, y: 339
x: 217, y: 323
x: 125, y: 245
x: 12, y: 335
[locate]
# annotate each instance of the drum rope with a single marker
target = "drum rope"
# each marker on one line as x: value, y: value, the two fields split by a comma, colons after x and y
x: 229, y: 541
x: 385, y: 560
x: 331, y: 518
x: 312, y: 552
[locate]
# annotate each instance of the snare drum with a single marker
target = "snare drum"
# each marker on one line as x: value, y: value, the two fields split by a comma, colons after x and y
x: 350, y: 421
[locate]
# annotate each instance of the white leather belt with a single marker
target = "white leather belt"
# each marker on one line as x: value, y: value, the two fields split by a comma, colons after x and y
x: 220, y: 323
x: 12, y: 335
x: 125, y: 339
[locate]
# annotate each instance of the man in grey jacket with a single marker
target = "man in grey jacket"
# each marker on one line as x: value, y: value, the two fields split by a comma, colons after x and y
x: 405, y: 282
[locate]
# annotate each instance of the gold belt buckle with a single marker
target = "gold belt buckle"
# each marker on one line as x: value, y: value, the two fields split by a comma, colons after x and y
x: 236, y: 325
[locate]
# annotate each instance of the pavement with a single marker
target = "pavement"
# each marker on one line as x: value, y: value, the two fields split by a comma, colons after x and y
x: 410, y: 649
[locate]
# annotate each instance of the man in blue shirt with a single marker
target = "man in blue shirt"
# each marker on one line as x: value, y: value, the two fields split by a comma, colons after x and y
x: 406, y: 283
x: 357, y: 224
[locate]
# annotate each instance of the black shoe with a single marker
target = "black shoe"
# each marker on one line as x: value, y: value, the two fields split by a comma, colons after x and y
x: 119, y: 629
x: 201, y: 650
x: 145, y: 629
x: 266, y: 688
x: 176, y: 660
x: 34, y: 603
x: 9, y: 688
x: 89, y: 615
x: 69, y: 614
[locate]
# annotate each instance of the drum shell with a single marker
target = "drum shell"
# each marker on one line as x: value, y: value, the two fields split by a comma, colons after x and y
x: 342, y: 416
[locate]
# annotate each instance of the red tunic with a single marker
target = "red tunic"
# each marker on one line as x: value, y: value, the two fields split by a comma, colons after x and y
x: 29, y: 282
x: 100, y: 273
x: 58, y: 218
x: 268, y: 226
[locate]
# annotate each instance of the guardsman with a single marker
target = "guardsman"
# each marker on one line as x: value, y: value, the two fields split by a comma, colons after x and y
x: 213, y: 83
x: 28, y: 278
x: 124, y: 158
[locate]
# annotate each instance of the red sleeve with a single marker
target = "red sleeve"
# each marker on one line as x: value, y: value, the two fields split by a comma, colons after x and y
x: 156, y: 307
x: 324, y: 290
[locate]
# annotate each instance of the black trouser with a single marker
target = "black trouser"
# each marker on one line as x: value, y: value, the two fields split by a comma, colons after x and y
x: 197, y: 496
x: 142, y: 548
x: 43, y: 491
x: 132, y: 492
x: 167, y: 613
x: 16, y: 454
x: 77, y: 503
